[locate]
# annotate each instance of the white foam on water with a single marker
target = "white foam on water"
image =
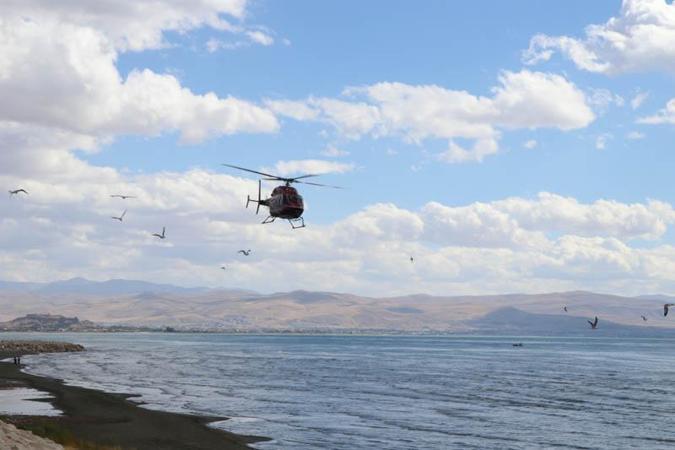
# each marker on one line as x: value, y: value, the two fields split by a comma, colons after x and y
x: 25, y: 402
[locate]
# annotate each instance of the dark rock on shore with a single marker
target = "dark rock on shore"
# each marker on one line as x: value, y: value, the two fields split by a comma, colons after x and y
x: 12, y: 348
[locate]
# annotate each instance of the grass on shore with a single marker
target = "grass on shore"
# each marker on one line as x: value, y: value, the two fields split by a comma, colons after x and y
x: 61, y: 435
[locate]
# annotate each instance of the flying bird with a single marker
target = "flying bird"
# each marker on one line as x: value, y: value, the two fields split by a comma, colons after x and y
x: 665, y: 308
x: 245, y: 252
x: 594, y: 324
x: 16, y: 191
x: 223, y: 267
x: 565, y: 308
x: 123, y: 197
x: 161, y: 236
x: 644, y: 318
x: 120, y: 218
x: 412, y: 259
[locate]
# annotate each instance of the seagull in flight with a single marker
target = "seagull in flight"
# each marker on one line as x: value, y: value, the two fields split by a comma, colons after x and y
x: 565, y: 308
x: 245, y: 252
x: 17, y: 191
x: 120, y: 218
x: 594, y: 324
x: 644, y: 318
x: 665, y: 308
x: 161, y: 236
x: 123, y: 197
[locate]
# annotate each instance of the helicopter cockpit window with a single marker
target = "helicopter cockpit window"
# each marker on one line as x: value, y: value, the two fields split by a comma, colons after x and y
x: 291, y: 198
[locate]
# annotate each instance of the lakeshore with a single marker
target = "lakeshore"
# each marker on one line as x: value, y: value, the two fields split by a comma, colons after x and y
x: 98, y: 420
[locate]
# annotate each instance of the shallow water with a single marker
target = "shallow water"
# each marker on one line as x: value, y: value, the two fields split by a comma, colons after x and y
x: 344, y: 392
x: 26, y: 402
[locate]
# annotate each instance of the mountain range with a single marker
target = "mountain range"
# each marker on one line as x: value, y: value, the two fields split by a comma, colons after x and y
x: 139, y: 303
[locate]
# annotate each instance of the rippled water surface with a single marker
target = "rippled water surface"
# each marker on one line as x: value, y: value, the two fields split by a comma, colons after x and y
x: 344, y: 392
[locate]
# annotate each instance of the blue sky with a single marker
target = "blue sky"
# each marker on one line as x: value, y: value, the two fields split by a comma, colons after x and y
x: 513, y: 146
x: 461, y: 46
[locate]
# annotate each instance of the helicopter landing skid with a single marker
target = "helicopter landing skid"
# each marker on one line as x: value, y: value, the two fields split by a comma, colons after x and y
x: 299, y: 220
x: 295, y: 223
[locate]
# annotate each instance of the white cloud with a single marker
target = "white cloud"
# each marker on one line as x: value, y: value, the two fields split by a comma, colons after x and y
x: 63, y: 229
x: 641, y: 38
x: 521, y: 100
x: 635, y: 135
x: 639, y: 99
x: 457, y: 154
x: 260, y: 37
x: 601, y: 99
x: 540, y: 100
x: 254, y: 37
x: 555, y: 213
x: 530, y: 144
x: 294, y: 109
x: 663, y: 116
x: 334, y: 152
x: 310, y: 166
x: 213, y: 45
x: 602, y: 140
x: 132, y: 25
x: 59, y: 54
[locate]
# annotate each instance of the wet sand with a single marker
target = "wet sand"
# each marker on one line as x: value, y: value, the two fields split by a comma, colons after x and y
x: 95, y: 419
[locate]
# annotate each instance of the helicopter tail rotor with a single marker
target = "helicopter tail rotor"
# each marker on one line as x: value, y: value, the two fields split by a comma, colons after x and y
x: 257, y: 202
x: 257, y: 208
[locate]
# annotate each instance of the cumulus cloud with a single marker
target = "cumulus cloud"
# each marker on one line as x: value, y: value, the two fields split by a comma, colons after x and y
x: 567, y: 215
x: 530, y: 144
x: 545, y: 242
x: 135, y: 25
x: 601, y: 99
x: 310, y: 166
x: 663, y: 116
x: 522, y: 99
x: 68, y: 56
x: 602, y: 140
x: 536, y: 100
x: 635, y: 135
x: 480, y: 149
x: 67, y: 52
x: 641, y: 38
x: 639, y: 99
x: 260, y: 37
x: 334, y: 152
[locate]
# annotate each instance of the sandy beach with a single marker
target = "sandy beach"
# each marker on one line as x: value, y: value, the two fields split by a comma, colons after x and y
x: 12, y: 438
x: 98, y: 420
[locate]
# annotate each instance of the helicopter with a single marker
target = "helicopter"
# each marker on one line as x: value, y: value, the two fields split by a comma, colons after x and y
x: 285, y: 202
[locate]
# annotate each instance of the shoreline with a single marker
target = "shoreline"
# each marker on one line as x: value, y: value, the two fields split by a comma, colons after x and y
x: 100, y: 420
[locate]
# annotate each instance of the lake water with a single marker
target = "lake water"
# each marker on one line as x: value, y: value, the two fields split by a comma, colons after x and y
x: 344, y: 392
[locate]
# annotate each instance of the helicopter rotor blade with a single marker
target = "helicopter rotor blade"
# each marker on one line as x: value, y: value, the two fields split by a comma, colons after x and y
x: 318, y: 184
x: 273, y: 177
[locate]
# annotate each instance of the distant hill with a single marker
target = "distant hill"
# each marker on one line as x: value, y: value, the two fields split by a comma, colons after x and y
x: 57, y: 323
x: 512, y: 321
x: 142, y: 304
x: 45, y: 322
